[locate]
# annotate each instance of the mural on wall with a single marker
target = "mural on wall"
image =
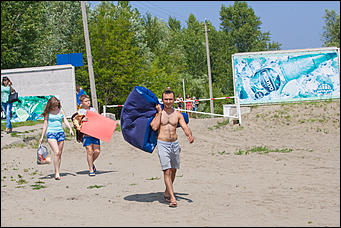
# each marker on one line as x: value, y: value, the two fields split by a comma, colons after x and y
x: 281, y: 77
x: 29, y: 108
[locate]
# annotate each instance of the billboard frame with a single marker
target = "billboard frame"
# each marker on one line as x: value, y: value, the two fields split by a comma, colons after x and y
x: 281, y: 52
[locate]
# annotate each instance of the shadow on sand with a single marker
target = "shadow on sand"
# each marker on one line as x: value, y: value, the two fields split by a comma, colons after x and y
x: 156, y: 196
x: 51, y: 176
x: 98, y: 172
x: 83, y: 172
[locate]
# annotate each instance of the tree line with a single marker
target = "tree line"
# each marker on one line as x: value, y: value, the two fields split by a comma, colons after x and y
x: 130, y: 49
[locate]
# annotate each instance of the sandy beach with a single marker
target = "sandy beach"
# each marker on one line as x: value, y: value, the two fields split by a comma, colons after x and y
x: 281, y: 167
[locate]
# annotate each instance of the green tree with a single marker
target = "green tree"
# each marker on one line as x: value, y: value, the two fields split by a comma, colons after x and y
x: 153, y: 33
x: 34, y: 32
x: 243, y: 27
x: 63, y: 31
x: 331, y: 29
x: 174, y: 24
x: 240, y: 32
x: 21, y: 29
x: 166, y: 62
x: 193, y: 40
x: 116, y: 61
x: 221, y: 50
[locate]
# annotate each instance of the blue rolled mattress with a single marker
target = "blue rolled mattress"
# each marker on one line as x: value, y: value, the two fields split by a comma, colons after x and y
x: 136, y: 115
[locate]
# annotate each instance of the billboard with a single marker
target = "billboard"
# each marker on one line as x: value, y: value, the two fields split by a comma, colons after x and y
x: 284, y: 76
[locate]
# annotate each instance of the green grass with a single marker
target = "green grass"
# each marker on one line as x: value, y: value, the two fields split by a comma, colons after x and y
x: 118, y: 127
x: 29, y: 141
x: 223, y: 152
x: 37, y: 186
x: 24, y: 123
x: 262, y: 150
x: 21, y: 181
x: 154, y: 178
x: 220, y: 124
x: 15, y: 134
x: 20, y: 145
x: 95, y: 186
x: 34, y: 173
x: 67, y: 133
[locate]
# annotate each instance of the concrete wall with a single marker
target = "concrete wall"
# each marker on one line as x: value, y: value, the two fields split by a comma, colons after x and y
x: 56, y: 80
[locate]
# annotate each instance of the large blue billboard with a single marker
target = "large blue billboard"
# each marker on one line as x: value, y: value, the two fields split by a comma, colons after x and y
x: 282, y: 76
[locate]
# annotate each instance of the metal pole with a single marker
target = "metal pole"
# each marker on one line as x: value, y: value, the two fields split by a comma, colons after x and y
x: 89, y: 57
x: 209, y: 69
x: 239, y: 111
x: 183, y: 87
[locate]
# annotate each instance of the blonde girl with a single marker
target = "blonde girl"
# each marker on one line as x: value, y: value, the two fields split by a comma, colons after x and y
x: 53, y: 116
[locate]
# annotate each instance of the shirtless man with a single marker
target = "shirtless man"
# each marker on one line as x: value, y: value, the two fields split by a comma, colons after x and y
x: 165, y: 122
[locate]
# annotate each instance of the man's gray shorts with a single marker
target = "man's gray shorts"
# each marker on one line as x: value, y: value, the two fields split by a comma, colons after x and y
x: 169, y: 154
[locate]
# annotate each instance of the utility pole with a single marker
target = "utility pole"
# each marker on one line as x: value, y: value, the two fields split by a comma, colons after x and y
x: 89, y: 57
x: 209, y: 70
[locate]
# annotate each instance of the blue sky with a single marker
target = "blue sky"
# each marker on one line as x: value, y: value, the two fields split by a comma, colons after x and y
x: 294, y: 24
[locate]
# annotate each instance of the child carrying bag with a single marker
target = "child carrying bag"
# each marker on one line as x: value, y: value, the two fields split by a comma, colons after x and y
x: 43, y: 156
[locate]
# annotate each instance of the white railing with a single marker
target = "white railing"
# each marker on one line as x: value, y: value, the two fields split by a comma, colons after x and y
x: 238, y: 116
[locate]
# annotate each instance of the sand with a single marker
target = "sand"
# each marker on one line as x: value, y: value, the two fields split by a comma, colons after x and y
x: 221, y: 182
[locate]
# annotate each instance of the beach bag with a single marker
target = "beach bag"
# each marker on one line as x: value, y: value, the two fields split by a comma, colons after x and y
x: 137, y: 113
x: 43, y: 156
x: 13, y: 97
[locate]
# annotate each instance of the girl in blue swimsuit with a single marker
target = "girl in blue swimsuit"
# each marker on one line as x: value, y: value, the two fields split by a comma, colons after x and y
x: 53, y: 117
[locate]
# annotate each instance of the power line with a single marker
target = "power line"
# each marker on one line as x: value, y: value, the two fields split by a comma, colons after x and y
x: 166, y: 11
x: 155, y: 10
x: 142, y: 9
x: 170, y: 13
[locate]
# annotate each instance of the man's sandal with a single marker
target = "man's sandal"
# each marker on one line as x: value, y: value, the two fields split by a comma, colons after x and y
x: 173, y: 204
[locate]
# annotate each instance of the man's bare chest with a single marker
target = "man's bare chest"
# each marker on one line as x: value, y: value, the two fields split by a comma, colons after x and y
x: 169, y: 118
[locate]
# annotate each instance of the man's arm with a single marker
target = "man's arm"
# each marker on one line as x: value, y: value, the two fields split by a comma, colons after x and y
x: 155, y: 124
x: 185, y: 128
